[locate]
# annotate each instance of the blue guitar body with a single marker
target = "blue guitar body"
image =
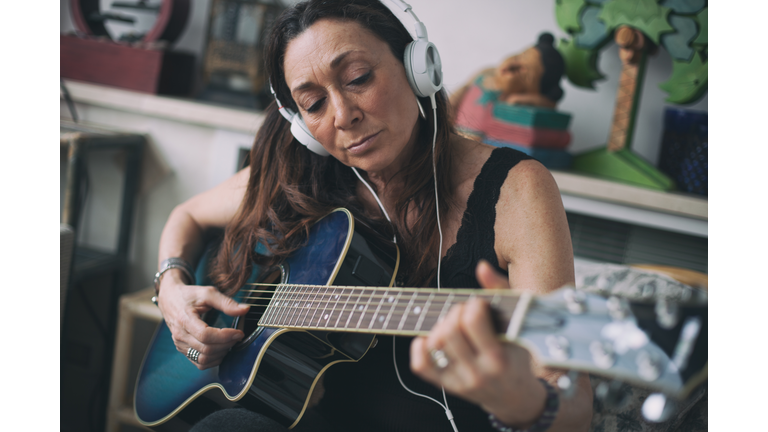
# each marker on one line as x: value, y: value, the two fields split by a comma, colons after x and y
x: 274, y: 370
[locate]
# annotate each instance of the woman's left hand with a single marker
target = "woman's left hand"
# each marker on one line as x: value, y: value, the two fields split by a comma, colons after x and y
x: 479, y: 368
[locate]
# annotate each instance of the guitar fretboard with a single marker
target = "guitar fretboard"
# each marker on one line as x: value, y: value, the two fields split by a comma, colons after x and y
x: 401, y: 311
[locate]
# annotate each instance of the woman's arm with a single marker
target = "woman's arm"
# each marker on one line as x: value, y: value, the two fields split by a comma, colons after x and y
x: 533, y: 241
x: 181, y: 304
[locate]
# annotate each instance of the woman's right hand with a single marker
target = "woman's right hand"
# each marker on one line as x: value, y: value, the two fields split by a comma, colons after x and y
x: 183, y: 306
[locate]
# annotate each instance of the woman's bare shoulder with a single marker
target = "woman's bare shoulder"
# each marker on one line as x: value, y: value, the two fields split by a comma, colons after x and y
x: 469, y: 158
x: 532, y: 235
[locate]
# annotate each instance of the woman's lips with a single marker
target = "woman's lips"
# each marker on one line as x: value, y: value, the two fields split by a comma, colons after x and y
x: 362, y: 145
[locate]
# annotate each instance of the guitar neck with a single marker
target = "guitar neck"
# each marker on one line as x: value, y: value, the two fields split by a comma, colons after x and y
x: 397, y: 311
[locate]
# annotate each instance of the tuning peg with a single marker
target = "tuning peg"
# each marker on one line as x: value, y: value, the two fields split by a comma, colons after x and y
x: 611, y: 394
x: 559, y: 347
x: 602, y: 354
x: 667, y: 314
x: 658, y: 408
x: 567, y: 384
x: 648, y: 365
x: 575, y: 301
x: 617, y: 308
x: 648, y: 289
x: 605, y: 283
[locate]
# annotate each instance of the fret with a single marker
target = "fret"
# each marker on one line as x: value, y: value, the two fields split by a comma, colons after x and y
x: 287, y: 304
x: 274, y: 303
x: 430, y: 319
x: 304, y: 305
x: 341, y: 311
x: 446, y: 307
x: 365, y: 309
x: 324, y: 317
x: 312, y: 306
x: 295, y: 304
x: 495, y: 300
x: 413, y: 313
x: 392, y: 309
x: 424, y: 312
x: 407, y: 308
x: 352, y: 311
x: 378, y: 308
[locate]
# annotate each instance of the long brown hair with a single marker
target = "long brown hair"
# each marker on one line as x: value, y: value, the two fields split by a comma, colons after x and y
x: 290, y: 187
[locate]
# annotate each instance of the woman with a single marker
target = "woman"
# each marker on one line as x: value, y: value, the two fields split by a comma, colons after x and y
x: 339, y: 65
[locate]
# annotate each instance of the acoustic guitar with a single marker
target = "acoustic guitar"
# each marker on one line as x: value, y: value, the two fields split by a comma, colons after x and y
x: 327, y: 302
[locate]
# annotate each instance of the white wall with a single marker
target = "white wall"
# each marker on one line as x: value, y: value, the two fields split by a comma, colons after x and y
x: 470, y: 35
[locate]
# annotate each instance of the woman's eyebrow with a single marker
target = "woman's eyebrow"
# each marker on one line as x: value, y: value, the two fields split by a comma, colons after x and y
x: 334, y: 64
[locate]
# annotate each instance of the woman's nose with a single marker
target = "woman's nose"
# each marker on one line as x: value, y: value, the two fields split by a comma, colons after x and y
x: 347, y: 112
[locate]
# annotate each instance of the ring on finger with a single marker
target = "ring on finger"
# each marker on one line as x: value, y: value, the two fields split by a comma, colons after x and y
x: 439, y: 358
x: 193, y: 354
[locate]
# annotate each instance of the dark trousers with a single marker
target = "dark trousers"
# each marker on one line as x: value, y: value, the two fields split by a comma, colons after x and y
x: 243, y: 420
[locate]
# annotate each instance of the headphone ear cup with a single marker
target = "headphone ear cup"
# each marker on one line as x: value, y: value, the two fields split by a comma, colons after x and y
x: 423, y: 68
x: 303, y: 135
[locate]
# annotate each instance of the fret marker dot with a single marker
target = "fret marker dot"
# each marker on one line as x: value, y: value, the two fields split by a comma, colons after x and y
x: 277, y: 303
x: 296, y: 305
x: 326, y: 316
x: 391, y: 299
x: 416, y: 309
x: 381, y: 319
x: 336, y: 297
x: 360, y: 308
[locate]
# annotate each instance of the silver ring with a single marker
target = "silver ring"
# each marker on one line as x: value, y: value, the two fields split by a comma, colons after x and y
x: 193, y: 354
x: 439, y: 358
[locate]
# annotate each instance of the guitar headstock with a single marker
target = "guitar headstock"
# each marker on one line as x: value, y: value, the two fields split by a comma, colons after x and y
x: 659, y: 344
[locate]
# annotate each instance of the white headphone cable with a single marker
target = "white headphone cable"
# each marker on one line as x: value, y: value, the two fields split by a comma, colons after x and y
x: 448, y: 412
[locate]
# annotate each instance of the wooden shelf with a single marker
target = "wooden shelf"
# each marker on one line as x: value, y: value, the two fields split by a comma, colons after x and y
x: 178, y: 109
x: 668, y: 202
x: 670, y: 211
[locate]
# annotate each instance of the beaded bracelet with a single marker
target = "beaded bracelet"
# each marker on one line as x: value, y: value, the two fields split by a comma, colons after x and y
x: 172, y: 263
x: 551, y: 405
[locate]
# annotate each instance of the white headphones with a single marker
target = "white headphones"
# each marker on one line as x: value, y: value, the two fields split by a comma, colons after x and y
x: 423, y: 69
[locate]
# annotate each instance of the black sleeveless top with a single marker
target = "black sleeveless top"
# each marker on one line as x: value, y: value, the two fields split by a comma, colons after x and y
x: 367, y: 396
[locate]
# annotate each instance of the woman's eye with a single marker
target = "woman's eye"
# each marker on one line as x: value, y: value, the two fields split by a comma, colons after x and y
x: 315, y: 106
x: 361, y: 79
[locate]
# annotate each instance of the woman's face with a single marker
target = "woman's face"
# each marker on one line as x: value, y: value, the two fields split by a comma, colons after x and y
x: 353, y: 95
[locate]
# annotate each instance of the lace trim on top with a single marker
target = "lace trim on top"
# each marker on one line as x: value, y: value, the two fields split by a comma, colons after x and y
x: 476, y: 238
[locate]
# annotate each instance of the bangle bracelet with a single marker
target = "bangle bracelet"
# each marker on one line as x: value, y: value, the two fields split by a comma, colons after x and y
x: 173, y: 263
x: 551, y: 405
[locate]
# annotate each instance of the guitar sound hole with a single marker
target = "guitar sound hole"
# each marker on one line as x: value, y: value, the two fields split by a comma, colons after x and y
x: 258, y: 296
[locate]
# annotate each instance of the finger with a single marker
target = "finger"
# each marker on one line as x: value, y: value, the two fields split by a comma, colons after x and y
x: 226, y: 304
x: 203, y: 334
x: 478, y: 328
x: 449, y: 337
x: 211, y: 298
x: 421, y: 361
x: 205, y: 361
x: 490, y: 278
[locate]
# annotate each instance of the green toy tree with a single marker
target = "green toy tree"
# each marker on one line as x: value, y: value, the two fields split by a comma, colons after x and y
x: 639, y: 27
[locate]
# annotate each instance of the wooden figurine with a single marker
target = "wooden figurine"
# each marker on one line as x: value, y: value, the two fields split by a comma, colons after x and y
x: 530, y: 78
x: 639, y: 27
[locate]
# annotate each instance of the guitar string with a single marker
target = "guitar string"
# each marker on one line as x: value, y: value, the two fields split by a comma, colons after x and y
x: 398, y: 312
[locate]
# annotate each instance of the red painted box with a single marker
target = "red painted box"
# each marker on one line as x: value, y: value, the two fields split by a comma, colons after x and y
x: 145, y: 70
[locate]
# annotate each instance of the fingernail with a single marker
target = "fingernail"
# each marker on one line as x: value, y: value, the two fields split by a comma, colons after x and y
x: 244, y: 305
x: 236, y: 337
